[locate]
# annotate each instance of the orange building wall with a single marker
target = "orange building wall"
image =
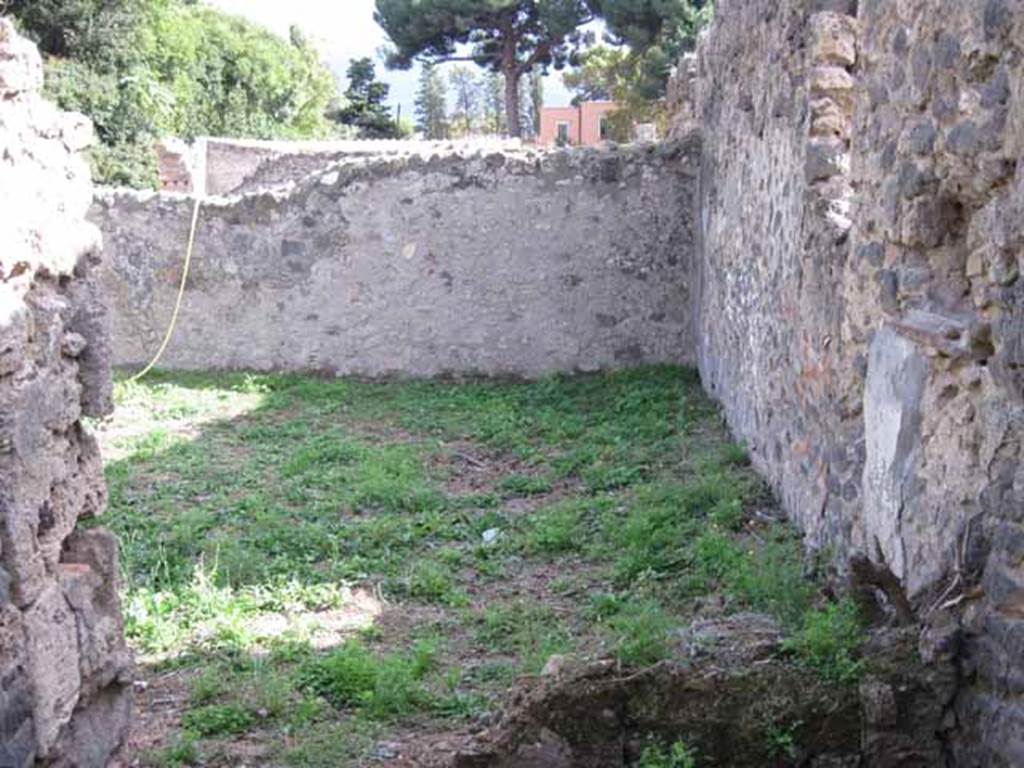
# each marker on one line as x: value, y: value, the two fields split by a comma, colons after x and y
x: 584, y: 122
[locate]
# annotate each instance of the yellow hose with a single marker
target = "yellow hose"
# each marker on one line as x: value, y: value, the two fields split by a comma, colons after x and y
x: 181, y: 294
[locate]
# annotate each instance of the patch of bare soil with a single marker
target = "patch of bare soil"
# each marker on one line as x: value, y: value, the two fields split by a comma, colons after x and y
x: 160, y: 700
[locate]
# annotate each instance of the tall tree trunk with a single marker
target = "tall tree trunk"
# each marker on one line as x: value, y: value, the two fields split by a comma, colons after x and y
x: 512, y: 76
x: 510, y: 68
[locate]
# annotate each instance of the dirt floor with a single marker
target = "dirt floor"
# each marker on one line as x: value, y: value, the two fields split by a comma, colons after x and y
x: 326, y: 572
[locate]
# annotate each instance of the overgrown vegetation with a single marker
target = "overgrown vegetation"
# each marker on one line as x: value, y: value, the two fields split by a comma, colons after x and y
x: 330, y: 559
x: 145, y: 69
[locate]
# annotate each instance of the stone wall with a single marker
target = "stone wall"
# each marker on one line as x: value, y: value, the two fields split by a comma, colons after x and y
x: 222, y: 166
x: 859, y: 307
x: 514, y: 263
x: 64, y: 669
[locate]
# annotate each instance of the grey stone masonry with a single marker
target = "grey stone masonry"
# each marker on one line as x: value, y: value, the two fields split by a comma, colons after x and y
x: 502, y: 263
x: 859, y: 307
x: 64, y: 668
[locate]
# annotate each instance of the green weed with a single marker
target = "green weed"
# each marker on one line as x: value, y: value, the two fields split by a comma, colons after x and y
x: 678, y: 755
x: 434, y: 582
x: 641, y: 633
x: 533, y: 633
x: 217, y: 719
x: 182, y: 752
x: 525, y: 485
x: 555, y: 530
x: 381, y: 687
x: 830, y: 640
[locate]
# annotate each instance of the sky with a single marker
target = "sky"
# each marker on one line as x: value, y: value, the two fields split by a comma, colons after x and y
x: 344, y: 30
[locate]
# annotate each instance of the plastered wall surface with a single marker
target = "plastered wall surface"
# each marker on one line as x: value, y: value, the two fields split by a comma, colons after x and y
x: 505, y: 263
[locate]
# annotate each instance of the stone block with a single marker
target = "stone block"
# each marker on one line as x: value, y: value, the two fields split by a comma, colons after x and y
x: 835, y: 83
x: 53, y: 665
x: 829, y: 119
x: 833, y: 39
x: 21, y: 66
x: 825, y: 159
x: 893, y: 391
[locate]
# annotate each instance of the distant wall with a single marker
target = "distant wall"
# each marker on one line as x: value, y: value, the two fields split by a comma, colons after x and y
x: 514, y: 263
x: 222, y: 166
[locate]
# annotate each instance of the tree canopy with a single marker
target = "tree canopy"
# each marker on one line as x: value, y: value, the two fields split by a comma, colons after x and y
x: 647, y: 37
x: 432, y: 104
x: 144, y: 69
x: 366, y: 109
x: 655, y: 33
x: 510, y: 37
x: 517, y: 37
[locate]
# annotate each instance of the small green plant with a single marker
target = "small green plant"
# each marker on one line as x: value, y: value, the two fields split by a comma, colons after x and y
x: 218, y: 719
x: 554, y: 530
x: 602, y: 606
x: 641, y: 633
x: 381, y: 687
x: 829, y: 642
x: 181, y: 753
x: 345, y: 677
x: 678, y: 755
x: 433, y: 582
x: 531, y: 632
x: 781, y: 740
x: 526, y: 485
x: 735, y: 454
x: 209, y: 686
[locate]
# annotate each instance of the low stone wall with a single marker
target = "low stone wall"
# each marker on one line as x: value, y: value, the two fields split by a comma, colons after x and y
x: 860, y: 312
x: 64, y: 668
x: 514, y: 263
x: 222, y: 166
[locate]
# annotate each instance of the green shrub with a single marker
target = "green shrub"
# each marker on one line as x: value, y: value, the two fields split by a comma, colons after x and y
x: 145, y: 69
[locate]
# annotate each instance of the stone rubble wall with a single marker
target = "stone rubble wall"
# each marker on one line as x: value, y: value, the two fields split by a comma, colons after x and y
x: 859, y: 308
x: 222, y: 166
x: 511, y: 263
x: 64, y: 668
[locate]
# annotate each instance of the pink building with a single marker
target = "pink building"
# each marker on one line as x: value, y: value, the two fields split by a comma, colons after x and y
x: 584, y: 125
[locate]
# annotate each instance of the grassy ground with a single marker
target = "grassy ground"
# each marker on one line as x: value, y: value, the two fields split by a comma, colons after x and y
x: 332, y: 572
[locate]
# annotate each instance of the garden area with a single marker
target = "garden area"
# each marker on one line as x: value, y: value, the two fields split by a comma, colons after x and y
x: 334, y: 572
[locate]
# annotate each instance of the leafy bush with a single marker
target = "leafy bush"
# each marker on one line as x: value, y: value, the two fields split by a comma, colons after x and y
x: 145, y: 69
